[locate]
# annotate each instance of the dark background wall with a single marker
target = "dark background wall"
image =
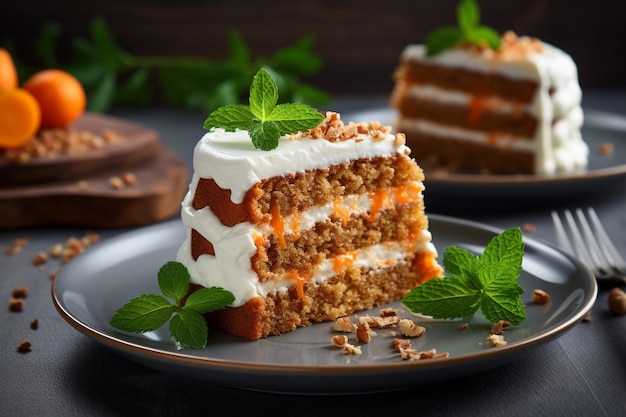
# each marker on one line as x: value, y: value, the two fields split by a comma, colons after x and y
x: 359, y: 41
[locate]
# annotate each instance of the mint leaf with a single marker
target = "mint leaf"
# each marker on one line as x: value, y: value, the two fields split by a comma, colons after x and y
x: 150, y: 311
x: 295, y: 117
x: 208, y: 299
x: 264, y: 120
x: 142, y: 314
x: 441, y: 39
x: 173, y: 279
x: 446, y: 298
x: 230, y: 117
x: 264, y: 135
x: 189, y: 329
x: 488, y: 282
x: 469, y: 31
x: 263, y: 95
x: 468, y: 15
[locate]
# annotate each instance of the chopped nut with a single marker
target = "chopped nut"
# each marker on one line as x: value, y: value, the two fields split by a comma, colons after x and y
x: 379, y: 322
x: 400, y: 139
x: 34, y: 325
x: 344, y: 324
x: 24, y: 346
x: 540, y: 297
x: 341, y: 342
x: 363, y: 333
x: 496, y: 339
x: 409, y: 328
x: 399, y: 344
x: 617, y: 301
x: 128, y: 178
x: 17, y: 246
x: 116, y: 182
x: 498, y: 327
x: 20, y: 292
x: 90, y: 238
x: 56, y: 251
x: 40, y: 258
x: 16, y: 304
x: 388, y: 312
x: 606, y: 149
x: 464, y: 326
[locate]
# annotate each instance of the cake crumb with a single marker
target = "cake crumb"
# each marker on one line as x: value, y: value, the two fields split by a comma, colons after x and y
x: 24, y: 346
x: 464, y: 326
x: 128, y: 178
x: 540, y: 296
x: 34, y: 325
x: 496, y: 339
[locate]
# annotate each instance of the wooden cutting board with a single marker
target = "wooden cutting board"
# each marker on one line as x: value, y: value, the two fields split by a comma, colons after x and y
x: 78, y: 190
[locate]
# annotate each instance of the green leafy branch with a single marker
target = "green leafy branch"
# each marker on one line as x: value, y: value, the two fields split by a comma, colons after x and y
x: 112, y: 76
x: 148, y: 312
x: 469, y: 31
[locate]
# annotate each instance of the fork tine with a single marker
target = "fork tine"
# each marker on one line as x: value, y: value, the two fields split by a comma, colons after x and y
x: 580, y: 247
x: 610, y: 251
x: 594, y: 248
x: 561, y: 235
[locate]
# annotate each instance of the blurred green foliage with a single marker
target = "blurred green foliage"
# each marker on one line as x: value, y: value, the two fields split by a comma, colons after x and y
x: 112, y: 76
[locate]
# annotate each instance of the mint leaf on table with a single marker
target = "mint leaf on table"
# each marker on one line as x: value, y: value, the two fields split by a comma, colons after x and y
x: 488, y: 282
x: 148, y: 312
x: 263, y: 118
x: 469, y: 31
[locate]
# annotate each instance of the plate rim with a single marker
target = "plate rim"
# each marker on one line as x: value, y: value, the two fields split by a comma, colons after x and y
x: 210, y: 363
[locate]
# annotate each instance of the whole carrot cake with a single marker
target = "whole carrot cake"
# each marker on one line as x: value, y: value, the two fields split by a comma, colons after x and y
x: 329, y: 223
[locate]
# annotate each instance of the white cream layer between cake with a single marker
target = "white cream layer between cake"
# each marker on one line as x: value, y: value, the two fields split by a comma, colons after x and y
x: 231, y: 160
x: 557, y: 142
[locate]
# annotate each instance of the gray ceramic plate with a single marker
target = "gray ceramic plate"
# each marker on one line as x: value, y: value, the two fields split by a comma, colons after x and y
x: 479, y: 189
x: 94, y: 285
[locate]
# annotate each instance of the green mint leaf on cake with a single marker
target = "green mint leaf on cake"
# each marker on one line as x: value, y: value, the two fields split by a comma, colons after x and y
x: 469, y: 31
x: 487, y: 282
x: 187, y: 327
x: 264, y: 119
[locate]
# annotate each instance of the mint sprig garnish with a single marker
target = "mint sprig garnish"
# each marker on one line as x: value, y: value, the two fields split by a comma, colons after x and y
x: 488, y: 282
x: 469, y: 31
x: 264, y: 119
x: 148, y: 312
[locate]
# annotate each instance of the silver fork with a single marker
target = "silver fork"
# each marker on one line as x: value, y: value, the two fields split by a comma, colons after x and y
x: 591, y: 244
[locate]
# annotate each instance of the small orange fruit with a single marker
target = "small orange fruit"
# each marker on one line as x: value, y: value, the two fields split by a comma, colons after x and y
x: 8, y: 73
x: 19, y: 117
x: 60, y: 95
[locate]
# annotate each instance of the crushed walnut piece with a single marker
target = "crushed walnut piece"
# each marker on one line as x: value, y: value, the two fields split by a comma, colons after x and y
x: 363, y: 333
x: 409, y: 328
x: 54, y: 142
x: 17, y: 245
x: 606, y: 149
x: 381, y: 322
x: 540, y: 296
x: 344, y: 324
x: 408, y: 353
x: 16, y: 304
x: 333, y: 129
x: 40, y: 258
x: 498, y: 328
x: 341, y: 342
x: 34, y: 325
x: 19, y: 292
x: 24, y: 346
x: 496, y: 339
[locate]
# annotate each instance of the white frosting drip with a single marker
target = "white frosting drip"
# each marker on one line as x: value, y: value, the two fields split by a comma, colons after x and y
x: 558, y: 146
